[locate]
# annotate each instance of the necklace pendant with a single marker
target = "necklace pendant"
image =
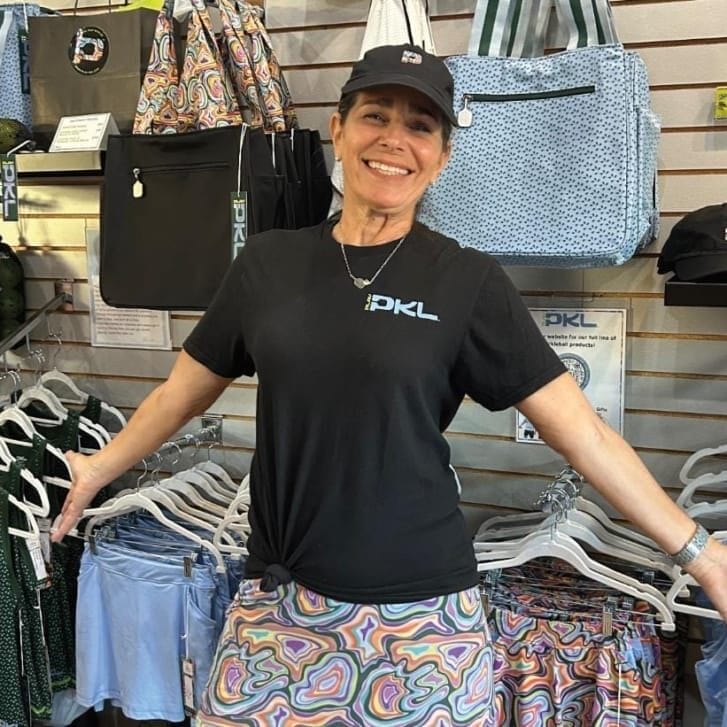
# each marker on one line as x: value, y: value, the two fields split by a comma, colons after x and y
x: 361, y: 282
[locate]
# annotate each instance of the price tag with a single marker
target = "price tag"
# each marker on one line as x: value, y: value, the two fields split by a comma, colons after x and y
x: 44, y: 527
x: 9, y: 183
x: 36, y: 556
x: 188, y: 686
x: 238, y: 218
x: 24, y: 54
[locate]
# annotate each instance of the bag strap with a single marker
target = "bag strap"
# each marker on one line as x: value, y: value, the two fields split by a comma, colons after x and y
x: 408, y: 22
x: 7, y: 16
x: 588, y: 22
x: 518, y: 28
x: 514, y: 28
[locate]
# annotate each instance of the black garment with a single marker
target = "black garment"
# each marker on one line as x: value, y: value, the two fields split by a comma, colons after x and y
x: 351, y: 486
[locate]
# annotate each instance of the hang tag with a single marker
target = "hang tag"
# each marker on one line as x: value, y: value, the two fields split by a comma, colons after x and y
x: 720, y: 102
x: 187, y: 564
x: 238, y: 218
x: 9, y: 183
x: 36, y: 556
x: 188, y: 686
x: 464, y: 117
x: 44, y: 527
x: 24, y: 54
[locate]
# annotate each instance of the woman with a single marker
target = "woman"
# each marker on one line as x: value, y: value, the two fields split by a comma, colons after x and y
x: 360, y: 605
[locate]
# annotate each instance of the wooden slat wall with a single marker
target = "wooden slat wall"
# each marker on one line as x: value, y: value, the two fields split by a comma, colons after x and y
x: 676, y: 383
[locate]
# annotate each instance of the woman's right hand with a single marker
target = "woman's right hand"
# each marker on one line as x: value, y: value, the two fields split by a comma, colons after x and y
x: 85, y: 484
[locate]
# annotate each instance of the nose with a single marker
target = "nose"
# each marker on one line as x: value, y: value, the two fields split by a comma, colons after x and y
x: 392, y: 136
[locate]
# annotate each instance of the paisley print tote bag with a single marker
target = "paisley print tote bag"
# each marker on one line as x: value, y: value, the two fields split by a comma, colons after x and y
x: 554, y: 163
x: 201, y: 97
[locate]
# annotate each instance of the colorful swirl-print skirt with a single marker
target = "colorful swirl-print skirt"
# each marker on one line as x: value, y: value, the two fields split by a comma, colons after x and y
x: 292, y: 657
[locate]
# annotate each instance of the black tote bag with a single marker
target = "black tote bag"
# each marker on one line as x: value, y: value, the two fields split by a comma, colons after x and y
x: 166, y: 224
x: 88, y: 64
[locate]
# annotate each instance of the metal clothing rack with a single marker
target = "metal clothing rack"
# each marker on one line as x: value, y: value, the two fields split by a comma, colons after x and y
x: 210, y: 433
x: 40, y: 316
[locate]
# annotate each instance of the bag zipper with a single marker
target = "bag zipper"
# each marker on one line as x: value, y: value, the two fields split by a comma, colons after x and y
x: 137, y: 186
x: 464, y: 118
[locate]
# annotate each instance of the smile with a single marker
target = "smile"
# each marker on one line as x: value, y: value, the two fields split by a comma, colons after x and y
x: 387, y: 169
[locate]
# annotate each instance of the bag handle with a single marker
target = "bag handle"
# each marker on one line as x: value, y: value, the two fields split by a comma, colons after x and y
x: 518, y: 28
x: 589, y: 22
x: 513, y: 28
x: 7, y: 16
x: 407, y: 20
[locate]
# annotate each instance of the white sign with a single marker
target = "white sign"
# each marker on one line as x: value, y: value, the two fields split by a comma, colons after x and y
x: 83, y: 133
x: 122, y: 327
x: 591, y: 342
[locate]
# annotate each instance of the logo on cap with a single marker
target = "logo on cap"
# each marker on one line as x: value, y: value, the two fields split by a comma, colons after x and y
x: 410, y: 57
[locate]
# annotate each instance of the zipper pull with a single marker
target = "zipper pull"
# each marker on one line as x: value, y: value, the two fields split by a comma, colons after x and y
x: 464, y: 117
x: 137, y: 189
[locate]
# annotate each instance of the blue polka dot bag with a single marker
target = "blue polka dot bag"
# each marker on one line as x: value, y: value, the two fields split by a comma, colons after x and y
x: 554, y: 163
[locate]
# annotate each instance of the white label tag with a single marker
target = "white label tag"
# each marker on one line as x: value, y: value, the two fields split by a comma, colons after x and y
x: 44, y: 527
x: 36, y: 555
x: 188, y: 686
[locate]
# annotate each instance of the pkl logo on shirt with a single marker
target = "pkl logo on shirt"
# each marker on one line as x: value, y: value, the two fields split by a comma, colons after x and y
x: 413, y: 309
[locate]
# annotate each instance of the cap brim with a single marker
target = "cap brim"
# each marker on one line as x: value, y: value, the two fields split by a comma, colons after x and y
x: 395, y: 79
x: 698, y: 267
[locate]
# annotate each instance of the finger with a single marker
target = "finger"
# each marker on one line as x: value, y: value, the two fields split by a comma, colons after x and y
x: 68, y: 520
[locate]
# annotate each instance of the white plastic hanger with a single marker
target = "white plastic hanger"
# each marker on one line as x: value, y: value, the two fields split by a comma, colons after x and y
x: 193, y: 496
x: 28, y: 477
x: 554, y: 544
x: 139, y: 501
x: 707, y: 481
x: 59, y: 413
x: 239, y: 525
x: 696, y: 457
x: 219, y: 473
x: 207, y: 487
x: 54, y: 378
x: 34, y: 531
x: 25, y: 424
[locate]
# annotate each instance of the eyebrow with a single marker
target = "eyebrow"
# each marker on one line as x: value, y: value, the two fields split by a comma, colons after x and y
x: 388, y: 102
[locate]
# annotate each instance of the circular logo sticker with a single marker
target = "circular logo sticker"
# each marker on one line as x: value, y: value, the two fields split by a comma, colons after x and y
x: 89, y: 50
x: 578, y: 368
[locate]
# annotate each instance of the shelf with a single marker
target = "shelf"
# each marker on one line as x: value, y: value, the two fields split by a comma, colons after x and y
x: 60, y: 163
x: 678, y: 292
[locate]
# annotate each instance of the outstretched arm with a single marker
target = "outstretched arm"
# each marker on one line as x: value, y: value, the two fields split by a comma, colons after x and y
x: 190, y: 390
x: 567, y: 422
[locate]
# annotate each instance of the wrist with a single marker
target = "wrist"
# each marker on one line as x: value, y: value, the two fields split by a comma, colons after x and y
x: 693, y: 548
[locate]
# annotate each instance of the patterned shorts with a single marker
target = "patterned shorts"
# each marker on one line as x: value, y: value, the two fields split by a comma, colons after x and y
x: 292, y: 657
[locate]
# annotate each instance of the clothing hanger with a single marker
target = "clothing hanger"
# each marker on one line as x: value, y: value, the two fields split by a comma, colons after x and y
x: 696, y: 457
x: 25, y: 424
x: 55, y: 377
x: 37, y: 394
x: 137, y: 501
x: 701, y: 509
x: 585, y: 529
x: 709, y: 480
x: 555, y: 544
x: 206, y: 487
x: 6, y: 458
x: 241, y: 527
x: 193, y: 496
x: 34, y: 531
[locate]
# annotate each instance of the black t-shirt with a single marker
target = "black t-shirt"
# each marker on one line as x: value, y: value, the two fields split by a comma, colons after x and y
x: 350, y: 482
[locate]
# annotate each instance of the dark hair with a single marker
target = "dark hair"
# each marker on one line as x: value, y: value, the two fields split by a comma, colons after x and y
x: 348, y: 101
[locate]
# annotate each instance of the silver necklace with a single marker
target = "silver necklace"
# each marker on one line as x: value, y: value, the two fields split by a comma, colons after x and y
x: 365, y: 282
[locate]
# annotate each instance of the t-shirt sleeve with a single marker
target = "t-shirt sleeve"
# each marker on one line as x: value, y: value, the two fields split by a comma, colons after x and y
x: 218, y: 340
x: 504, y: 356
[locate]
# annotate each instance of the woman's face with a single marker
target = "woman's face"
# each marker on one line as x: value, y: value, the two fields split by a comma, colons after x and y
x: 391, y: 149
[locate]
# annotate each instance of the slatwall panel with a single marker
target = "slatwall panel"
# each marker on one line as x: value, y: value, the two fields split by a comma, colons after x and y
x: 676, y: 383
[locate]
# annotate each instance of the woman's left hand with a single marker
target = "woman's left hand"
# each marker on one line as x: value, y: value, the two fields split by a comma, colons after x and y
x: 710, y: 570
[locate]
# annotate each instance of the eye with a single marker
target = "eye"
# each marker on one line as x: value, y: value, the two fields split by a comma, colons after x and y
x: 422, y: 125
x: 374, y: 116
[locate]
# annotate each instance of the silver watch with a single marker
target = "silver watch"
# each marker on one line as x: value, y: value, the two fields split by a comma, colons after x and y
x: 692, y: 548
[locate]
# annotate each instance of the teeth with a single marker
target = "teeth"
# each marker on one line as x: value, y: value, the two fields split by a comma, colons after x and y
x: 386, y: 169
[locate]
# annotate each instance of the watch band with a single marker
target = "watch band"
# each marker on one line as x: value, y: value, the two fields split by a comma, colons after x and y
x: 692, y: 548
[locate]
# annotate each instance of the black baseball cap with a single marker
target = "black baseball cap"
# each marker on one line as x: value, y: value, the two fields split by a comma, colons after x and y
x: 697, y: 246
x: 405, y: 65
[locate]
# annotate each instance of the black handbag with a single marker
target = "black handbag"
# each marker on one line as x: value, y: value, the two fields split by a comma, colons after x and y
x: 166, y: 222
